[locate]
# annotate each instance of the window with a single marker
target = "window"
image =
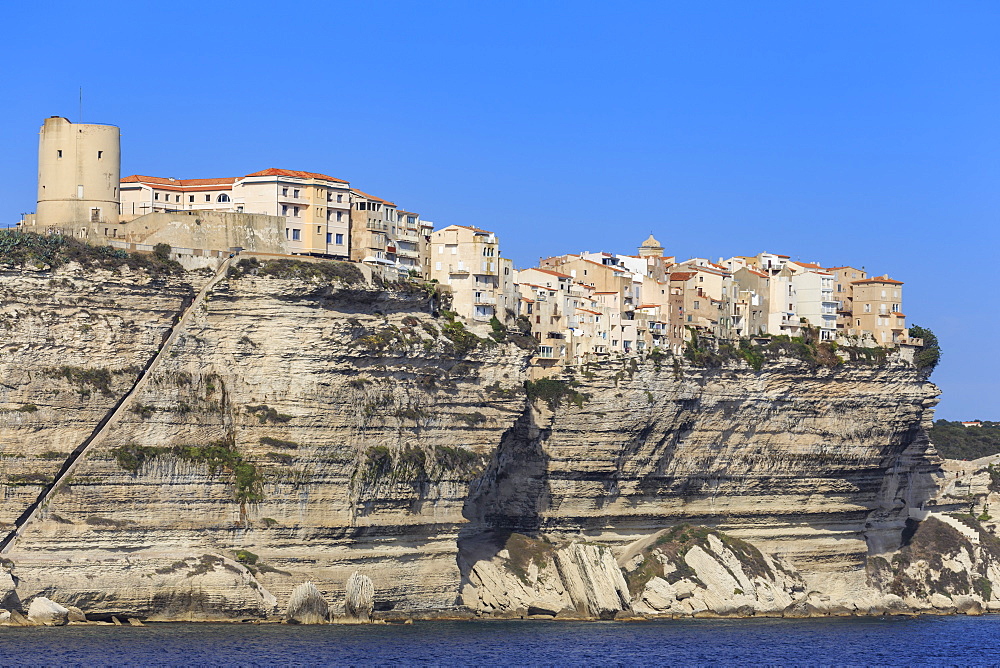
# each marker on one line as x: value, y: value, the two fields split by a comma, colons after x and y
x: 208, y: 198
x: 100, y: 154
x: 190, y: 198
x: 59, y: 153
x: 296, y: 235
x: 412, y: 220
x: 284, y: 191
x: 340, y: 198
x: 177, y: 198
x: 223, y: 197
x: 319, y: 230
x: 340, y: 238
x: 696, y: 304
x: 329, y: 236
x: 437, y: 266
x: 295, y: 211
x: 340, y: 215
x: 284, y: 209
x: 295, y: 194
x: 868, y: 308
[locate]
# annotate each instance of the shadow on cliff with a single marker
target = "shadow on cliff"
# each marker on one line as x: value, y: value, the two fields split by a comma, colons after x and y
x: 510, y: 495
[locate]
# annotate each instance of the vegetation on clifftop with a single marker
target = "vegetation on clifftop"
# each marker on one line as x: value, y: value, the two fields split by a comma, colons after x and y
x: 30, y: 249
x: 930, y: 353
x: 955, y: 441
x: 329, y: 271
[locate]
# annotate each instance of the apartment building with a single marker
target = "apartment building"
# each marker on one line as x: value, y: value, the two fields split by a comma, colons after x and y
x: 877, y: 310
x: 843, y: 294
x: 316, y: 207
x: 467, y: 260
x: 816, y: 306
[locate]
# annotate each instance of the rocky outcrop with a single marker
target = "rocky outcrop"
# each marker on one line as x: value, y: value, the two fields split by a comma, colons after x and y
x: 44, y: 612
x: 360, y: 598
x: 307, y: 605
x: 689, y: 570
x: 305, y: 426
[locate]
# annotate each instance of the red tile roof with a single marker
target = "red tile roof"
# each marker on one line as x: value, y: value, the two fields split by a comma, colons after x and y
x: 377, y: 199
x: 682, y: 275
x: 809, y: 265
x: 160, y: 181
x: 273, y: 171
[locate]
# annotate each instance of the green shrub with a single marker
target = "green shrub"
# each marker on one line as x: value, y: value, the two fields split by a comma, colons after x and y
x: 131, y: 457
x: 553, y: 391
x: 28, y: 248
x: 928, y: 356
x: 99, y: 379
x: 246, y: 557
x: 463, y: 341
x: 220, y: 456
x: 162, y: 251
x: 499, y: 332
x: 267, y: 414
x: 329, y: 271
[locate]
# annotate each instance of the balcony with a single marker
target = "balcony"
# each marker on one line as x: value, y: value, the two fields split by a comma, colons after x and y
x: 458, y: 269
x: 484, y: 299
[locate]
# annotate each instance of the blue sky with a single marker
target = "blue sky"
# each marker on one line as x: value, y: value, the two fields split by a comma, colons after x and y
x: 845, y: 133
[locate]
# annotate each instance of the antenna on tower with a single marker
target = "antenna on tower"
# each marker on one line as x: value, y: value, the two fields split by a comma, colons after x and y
x: 79, y: 118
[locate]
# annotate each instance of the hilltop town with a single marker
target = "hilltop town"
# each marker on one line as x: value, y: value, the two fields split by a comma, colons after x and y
x: 579, y: 307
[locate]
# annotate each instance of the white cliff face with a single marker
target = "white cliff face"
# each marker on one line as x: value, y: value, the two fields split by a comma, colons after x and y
x: 327, y: 427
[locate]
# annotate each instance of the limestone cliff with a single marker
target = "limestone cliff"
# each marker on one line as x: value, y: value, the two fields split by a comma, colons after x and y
x: 307, y: 424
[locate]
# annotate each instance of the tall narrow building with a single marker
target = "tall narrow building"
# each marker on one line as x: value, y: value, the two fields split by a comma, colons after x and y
x: 79, y: 166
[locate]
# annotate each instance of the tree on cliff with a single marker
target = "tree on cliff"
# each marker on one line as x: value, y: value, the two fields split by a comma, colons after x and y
x: 930, y: 353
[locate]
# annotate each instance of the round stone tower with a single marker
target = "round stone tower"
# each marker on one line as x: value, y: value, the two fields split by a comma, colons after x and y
x: 79, y: 167
x: 650, y: 248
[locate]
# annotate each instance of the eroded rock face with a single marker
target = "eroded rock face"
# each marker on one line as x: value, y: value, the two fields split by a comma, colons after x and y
x: 307, y: 605
x: 360, y: 597
x: 326, y: 428
x: 688, y: 570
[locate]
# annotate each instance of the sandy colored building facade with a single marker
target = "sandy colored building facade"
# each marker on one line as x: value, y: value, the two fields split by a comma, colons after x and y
x: 78, y: 174
x: 467, y: 260
x: 316, y: 207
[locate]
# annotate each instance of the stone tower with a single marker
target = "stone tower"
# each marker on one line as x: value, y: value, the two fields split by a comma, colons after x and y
x: 650, y: 248
x: 79, y: 167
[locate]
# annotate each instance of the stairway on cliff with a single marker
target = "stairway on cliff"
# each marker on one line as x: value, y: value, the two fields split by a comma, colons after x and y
x: 102, y: 428
x: 958, y: 525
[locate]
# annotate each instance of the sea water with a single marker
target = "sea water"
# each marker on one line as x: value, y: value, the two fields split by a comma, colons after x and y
x: 901, y: 641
